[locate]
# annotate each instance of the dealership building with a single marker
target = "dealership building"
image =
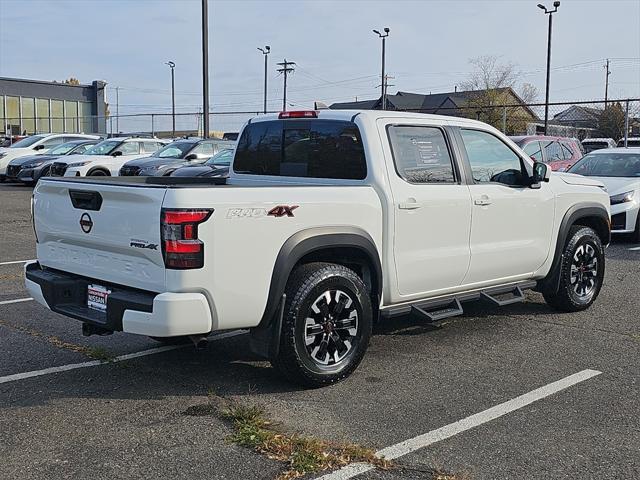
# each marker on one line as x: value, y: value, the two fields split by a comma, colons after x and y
x: 35, y: 106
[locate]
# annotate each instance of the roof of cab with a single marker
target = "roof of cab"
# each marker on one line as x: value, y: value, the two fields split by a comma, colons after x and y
x: 347, y: 115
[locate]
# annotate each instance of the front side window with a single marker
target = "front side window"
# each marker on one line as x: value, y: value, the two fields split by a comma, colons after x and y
x: 534, y: 151
x: 491, y: 160
x: 302, y: 148
x: 421, y: 154
x: 103, y: 148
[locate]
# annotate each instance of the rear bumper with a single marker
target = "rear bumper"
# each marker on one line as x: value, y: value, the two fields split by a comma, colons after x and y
x: 129, y: 310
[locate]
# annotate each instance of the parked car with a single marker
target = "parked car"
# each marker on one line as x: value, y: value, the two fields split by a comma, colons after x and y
x: 591, y: 144
x: 30, y: 168
x: 175, y: 155
x: 559, y: 152
x: 216, y: 166
x: 106, y: 158
x: 631, y: 142
x: 323, y: 226
x: 619, y: 170
x: 40, y: 143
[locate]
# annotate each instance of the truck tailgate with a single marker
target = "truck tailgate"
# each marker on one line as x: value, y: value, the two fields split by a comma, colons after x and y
x: 101, y: 231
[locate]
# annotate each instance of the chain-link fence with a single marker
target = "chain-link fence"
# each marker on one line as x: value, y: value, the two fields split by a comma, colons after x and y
x: 583, y: 119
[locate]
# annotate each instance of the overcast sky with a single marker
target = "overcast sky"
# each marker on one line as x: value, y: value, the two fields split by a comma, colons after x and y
x: 126, y: 43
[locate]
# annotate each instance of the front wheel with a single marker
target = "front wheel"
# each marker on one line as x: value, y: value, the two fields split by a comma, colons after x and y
x: 635, y: 236
x: 581, y: 272
x: 326, y: 325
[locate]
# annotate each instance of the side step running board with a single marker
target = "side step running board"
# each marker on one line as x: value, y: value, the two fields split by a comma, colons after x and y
x: 437, y: 313
x: 516, y: 295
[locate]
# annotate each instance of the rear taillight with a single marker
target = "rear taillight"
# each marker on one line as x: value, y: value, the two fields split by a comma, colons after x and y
x: 181, y: 247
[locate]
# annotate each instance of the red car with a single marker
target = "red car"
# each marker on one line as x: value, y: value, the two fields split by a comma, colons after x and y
x: 559, y: 152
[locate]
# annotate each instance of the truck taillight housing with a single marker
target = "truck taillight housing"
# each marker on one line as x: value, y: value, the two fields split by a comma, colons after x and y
x: 181, y: 247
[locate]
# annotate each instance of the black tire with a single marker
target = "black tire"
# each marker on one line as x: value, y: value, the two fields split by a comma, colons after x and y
x: 581, y: 272
x: 97, y: 173
x: 310, y: 338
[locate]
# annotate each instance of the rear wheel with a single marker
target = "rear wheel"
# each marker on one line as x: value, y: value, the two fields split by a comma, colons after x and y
x: 97, y: 173
x: 326, y: 325
x: 581, y: 272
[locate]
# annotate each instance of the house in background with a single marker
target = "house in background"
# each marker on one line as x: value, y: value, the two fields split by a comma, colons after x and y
x: 578, y: 116
x: 501, y: 107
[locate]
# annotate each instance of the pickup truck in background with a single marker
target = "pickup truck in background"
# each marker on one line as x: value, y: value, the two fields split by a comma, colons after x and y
x: 329, y: 220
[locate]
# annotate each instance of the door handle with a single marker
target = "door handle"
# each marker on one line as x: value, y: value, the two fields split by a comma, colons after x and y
x: 483, y: 201
x: 409, y: 206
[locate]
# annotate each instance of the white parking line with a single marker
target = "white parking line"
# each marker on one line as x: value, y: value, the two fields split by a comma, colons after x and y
x: 634, y: 248
x: 15, y: 261
x: 17, y: 300
x: 93, y: 363
x: 442, y: 433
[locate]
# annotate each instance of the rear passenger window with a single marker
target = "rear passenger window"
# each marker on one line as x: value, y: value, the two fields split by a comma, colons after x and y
x: 302, y: 148
x: 421, y: 154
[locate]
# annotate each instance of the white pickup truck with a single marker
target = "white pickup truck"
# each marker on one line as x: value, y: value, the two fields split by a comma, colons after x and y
x: 328, y: 221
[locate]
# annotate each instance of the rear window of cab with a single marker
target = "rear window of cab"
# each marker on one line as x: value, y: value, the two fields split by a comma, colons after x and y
x: 311, y: 148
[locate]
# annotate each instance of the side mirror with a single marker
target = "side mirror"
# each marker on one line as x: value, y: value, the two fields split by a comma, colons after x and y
x: 38, y: 147
x: 117, y: 153
x: 191, y: 156
x: 541, y: 173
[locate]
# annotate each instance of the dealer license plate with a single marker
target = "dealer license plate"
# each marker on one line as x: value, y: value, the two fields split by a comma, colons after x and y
x: 97, y: 297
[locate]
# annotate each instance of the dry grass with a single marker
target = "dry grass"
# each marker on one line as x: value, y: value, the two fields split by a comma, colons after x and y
x: 301, y: 455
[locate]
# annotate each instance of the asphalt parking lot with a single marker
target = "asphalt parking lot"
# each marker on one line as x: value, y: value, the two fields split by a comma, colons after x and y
x: 517, y: 392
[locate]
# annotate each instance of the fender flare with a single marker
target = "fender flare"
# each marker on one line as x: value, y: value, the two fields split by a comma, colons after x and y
x: 580, y: 210
x: 311, y: 240
x: 264, y: 339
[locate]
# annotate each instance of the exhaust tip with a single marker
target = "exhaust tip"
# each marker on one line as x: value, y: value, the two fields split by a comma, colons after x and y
x: 199, y: 341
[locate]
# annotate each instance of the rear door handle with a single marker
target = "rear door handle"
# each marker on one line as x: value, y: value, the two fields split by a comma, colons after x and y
x: 409, y: 206
x: 482, y: 201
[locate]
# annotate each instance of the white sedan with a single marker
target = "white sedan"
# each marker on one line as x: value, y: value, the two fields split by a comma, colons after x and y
x: 619, y: 170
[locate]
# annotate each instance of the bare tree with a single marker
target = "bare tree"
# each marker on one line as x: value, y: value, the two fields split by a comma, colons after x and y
x: 497, y: 94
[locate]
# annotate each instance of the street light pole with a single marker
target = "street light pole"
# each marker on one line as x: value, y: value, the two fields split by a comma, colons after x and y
x: 383, y: 85
x: 205, y: 69
x: 265, y: 51
x: 556, y: 4
x: 172, y: 66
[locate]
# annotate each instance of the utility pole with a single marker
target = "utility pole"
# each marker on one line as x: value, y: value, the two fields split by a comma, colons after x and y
x: 265, y: 52
x: 383, y: 77
x: 385, y: 86
x: 172, y: 66
x: 556, y: 4
x: 205, y: 68
x: 606, y: 83
x: 117, y: 109
x: 287, y: 68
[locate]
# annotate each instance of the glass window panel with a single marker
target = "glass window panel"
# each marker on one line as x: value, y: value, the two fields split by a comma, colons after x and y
x: 421, y: 154
x: 42, y: 121
x: 71, y: 117
x: 57, y: 115
x: 2, y: 122
x: 13, y: 114
x: 491, y: 160
x: 86, y: 123
x: 28, y: 115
